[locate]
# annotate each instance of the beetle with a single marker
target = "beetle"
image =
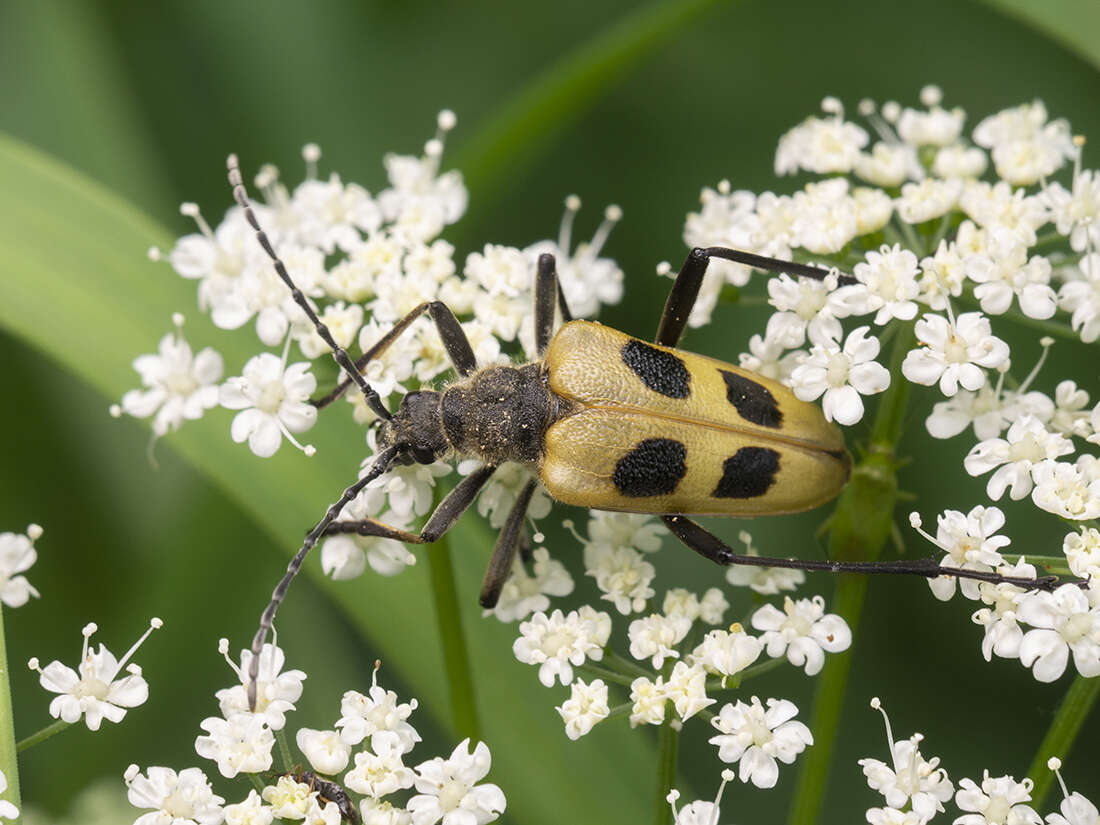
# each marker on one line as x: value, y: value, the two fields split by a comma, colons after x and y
x: 603, y: 420
x: 327, y: 791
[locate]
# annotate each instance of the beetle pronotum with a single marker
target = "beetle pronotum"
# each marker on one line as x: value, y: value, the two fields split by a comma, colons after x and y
x: 603, y: 420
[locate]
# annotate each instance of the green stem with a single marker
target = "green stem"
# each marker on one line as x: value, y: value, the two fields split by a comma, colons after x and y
x: 860, y: 528
x: 1071, y: 714
x: 626, y: 665
x: 668, y: 747
x: 42, y: 735
x: 284, y: 750
x: 606, y: 674
x: 620, y: 710
x: 8, y: 763
x: 456, y: 656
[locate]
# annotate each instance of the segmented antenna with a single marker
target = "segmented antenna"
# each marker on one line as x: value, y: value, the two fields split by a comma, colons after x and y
x: 381, y: 464
x: 338, y: 353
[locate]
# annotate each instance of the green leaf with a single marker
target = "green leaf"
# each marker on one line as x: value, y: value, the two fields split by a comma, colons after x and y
x: 75, y: 273
x: 1074, y: 24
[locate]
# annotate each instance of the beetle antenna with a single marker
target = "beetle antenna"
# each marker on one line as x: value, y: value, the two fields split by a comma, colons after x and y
x: 381, y: 463
x: 341, y: 357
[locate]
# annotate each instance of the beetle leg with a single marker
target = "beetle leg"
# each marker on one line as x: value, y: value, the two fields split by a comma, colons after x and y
x: 504, y: 552
x: 442, y: 519
x: 685, y: 289
x: 547, y: 286
x: 711, y: 547
x: 454, y: 340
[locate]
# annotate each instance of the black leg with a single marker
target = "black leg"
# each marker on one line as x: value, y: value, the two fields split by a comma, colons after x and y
x: 681, y: 298
x: 450, y: 332
x: 709, y: 546
x: 441, y: 520
x: 504, y: 553
x: 381, y: 463
x: 546, y: 292
x: 338, y: 353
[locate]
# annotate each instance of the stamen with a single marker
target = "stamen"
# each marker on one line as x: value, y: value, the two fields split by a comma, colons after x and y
x: 191, y: 210
x: 1046, y: 342
x: 177, y: 322
x: 374, y: 674
x: 34, y: 532
x: 877, y: 705
x: 727, y: 777
x: 311, y: 153
x: 931, y: 95
x: 671, y: 798
x: 223, y: 649
x: 664, y: 269
x: 565, y: 231
x: 724, y: 187
x: 153, y: 253
x: 87, y: 632
x: 832, y: 106
x: 915, y: 523
x: 154, y: 624
x: 1055, y: 764
x: 308, y: 449
x: 611, y: 216
x: 568, y: 525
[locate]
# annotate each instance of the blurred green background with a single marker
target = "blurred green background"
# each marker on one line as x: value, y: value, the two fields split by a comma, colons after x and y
x: 146, y: 100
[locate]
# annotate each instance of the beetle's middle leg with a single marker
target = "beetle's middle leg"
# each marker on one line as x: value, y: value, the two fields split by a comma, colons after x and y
x: 547, y: 288
x: 685, y: 289
x: 711, y: 547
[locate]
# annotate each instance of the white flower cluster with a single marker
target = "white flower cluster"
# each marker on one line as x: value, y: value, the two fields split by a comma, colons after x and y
x: 17, y: 556
x: 1055, y: 625
x: 690, y: 658
x: 372, y: 735
x: 915, y: 790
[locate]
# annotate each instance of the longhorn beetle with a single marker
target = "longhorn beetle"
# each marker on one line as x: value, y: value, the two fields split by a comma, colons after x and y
x: 605, y: 421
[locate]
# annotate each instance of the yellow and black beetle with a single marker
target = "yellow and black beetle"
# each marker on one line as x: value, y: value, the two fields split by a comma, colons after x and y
x: 606, y: 421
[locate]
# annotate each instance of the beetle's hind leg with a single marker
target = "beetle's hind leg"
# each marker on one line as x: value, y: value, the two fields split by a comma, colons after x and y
x: 685, y: 289
x: 711, y: 547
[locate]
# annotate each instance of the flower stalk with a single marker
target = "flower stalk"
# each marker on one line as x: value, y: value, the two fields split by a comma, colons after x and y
x: 8, y: 750
x: 1076, y: 706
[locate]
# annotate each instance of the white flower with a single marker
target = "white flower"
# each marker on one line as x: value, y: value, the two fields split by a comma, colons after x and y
x: 767, y: 581
x: 525, y: 594
x: 656, y: 636
x: 273, y: 402
x: 804, y: 307
x: 342, y: 321
x: 498, y: 497
x: 888, y: 285
x: 909, y: 779
x: 380, y: 812
x: 934, y: 127
x: 179, y: 386
x: 362, y: 716
x: 680, y: 601
x: 408, y: 488
x: 713, y: 606
x: 997, y: 802
x: 17, y: 555
x: 639, y: 531
x: 727, y: 652
x: 1025, y: 147
x: 1028, y: 444
x: 756, y: 738
x: 382, y: 772
x: 7, y: 809
x: 185, y: 798
x: 586, y: 705
x: 333, y: 214
x: 240, y: 744
x: 1003, y: 270
x: 970, y: 544
x: 93, y: 691
x: 928, y: 199
x: 558, y: 642
x: 1000, y: 207
x: 953, y: 353
x: 803, y: 631
x: 250, y: 812
x: 1065, y: 490
x: 960, y: 161
x: 621, y: 574
x: 449, y: 790
x: 686, y: 689
x: 1081, y: 296
x: 1063, y: 622
x: 648, y: 701
x: 1083, y: 552
x: 289, y: 798
x: 699, y: 812
x: 276, y: 691
x: 326, y: 752
x: 842, y: 375
x: 821, y: 145
x: 888, y: 164
x: 1077, y: 213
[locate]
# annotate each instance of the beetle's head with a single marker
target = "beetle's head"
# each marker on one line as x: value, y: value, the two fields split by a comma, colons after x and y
x: 416, y: 429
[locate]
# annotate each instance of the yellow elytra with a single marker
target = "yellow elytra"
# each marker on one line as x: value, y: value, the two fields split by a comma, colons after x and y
x: 660, y: 430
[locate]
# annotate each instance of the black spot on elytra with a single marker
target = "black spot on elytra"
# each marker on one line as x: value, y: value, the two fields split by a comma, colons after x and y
x: 661, y: 371
x: 748, y: 473
x: 753, y: 401
x: 653, y: 468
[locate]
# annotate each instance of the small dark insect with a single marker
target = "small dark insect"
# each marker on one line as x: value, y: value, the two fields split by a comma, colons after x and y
x: 328, y: 791
x: 606, y: 421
